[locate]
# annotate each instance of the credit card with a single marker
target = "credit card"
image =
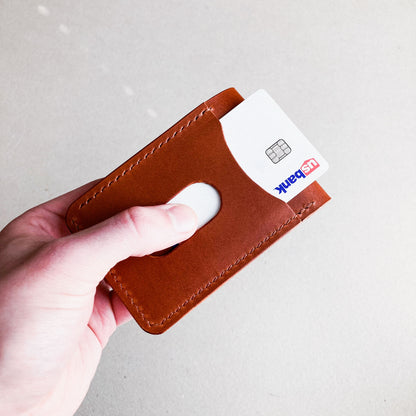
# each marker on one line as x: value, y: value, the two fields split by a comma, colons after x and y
x: 270, y: 149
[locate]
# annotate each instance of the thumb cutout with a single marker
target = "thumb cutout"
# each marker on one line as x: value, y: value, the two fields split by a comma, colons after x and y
x: 88, y: 255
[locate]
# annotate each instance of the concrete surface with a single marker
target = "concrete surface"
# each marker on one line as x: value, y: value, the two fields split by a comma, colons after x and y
x: 324, y: 322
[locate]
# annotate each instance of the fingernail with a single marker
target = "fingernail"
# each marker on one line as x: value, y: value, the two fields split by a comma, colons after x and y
x: 183, y: 218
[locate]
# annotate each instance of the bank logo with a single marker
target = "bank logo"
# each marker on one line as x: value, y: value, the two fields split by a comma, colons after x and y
x: 308, y: 166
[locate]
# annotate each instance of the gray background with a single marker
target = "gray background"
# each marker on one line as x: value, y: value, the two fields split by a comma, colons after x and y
x: 324, y: 322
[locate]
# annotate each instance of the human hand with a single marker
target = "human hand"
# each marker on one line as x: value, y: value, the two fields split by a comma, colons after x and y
x: 56, y: 313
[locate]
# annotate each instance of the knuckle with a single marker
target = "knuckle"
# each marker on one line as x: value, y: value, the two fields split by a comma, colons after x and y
x: 135, y: 219
x: 52, y: 254
x: 146, y: 223
x: 132, y: 216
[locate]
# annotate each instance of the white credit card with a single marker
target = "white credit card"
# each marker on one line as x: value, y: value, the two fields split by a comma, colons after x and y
x: 270, y: 148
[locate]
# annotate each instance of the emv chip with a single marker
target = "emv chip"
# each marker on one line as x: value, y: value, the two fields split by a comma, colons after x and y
x: 277, y: 151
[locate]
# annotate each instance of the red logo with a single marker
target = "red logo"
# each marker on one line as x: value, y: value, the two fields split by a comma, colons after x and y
x: 308, y: 166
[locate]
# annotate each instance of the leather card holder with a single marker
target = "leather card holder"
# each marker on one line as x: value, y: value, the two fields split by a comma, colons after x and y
x: 159, y: 290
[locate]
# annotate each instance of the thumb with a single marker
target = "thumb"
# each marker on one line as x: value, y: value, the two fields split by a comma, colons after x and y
x: 88, y: 255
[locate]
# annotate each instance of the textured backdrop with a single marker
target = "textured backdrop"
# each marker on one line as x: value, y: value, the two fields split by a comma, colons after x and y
x: 324, y: 322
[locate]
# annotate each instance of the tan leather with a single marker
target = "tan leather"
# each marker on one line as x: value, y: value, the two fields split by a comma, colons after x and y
x: 158, y: 291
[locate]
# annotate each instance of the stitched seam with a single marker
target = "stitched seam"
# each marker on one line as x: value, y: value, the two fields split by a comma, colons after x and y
x: 305, y: 208
x: 138, y: 161
x: 75, y: 224
x: 149, y: 323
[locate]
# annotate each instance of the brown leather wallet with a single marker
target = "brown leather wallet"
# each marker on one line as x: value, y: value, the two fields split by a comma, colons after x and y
x: 159, y: 290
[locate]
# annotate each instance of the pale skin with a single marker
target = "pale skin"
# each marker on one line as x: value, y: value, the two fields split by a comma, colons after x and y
x: 56, y: 312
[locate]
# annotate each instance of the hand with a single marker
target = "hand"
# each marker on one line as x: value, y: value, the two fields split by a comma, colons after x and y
x: 56, y: 312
